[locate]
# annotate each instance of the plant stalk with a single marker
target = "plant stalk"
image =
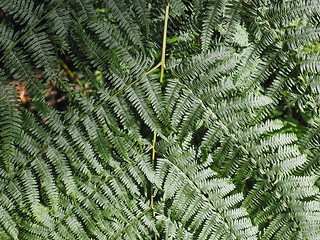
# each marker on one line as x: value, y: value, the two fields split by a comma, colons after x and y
x: 153, y: 165
x: 162, y: 64
x: 163, y: 56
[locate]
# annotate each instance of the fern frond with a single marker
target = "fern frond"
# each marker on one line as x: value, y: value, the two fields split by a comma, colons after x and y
x: 213, y: 13
x: 90, y: 51
x: 313, y: 82
x: 200, y: 63
x: 10, y: 122
x: 282, y: 81
x: 309, y: 63
x: 60, y: 20
x: 190, y: 205
x: 232, y: 16
x: 110, y: 36
x: 296, y: 38
x: 284, y: 208
x: 225, y: 146
x: 135, y: 96
x: 226, y: 108
x: 23, y: 12
x: 143, y: 14
x: 62, y: 169
x: 48, y: 183
x: 311, y: 139
x: 122, y: 110
x: 7, y: 37
x: 153, y: 91
x: 7, y: 222
x: 173, y: 229
x: 40, y: 48
x: 123, y: 16
x: 16, y: 62
x: 262, y: 71
x: 309, y: 144
x: 83, y: 9
x: 281, y: 14
x: 31, y: 196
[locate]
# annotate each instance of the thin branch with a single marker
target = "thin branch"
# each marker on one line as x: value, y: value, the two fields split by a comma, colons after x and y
x: 163, y: 56
x: 151, y: 187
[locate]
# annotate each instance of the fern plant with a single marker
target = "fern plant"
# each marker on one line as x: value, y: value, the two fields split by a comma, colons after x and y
x: 180, y: 140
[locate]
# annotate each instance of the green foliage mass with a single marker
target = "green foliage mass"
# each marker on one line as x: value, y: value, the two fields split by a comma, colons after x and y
x: 206, y: 127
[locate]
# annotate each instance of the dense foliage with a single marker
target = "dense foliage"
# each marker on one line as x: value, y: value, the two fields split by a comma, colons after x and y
x: 201, y: 119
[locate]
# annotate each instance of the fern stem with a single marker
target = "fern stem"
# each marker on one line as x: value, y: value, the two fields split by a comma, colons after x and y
x: 33, y: 27
x: 137, y: 80
x: 274, y: 32
x: 153, y: 148
x: 151, y: 187
x: 129, y: 85
x: 152, y: 69
x: 162, y: 64
x: 163, y: 56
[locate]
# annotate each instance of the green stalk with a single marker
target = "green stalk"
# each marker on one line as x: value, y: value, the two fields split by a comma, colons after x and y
x: 162, y: 64
x: 153, y: 164
x: 163, y: 57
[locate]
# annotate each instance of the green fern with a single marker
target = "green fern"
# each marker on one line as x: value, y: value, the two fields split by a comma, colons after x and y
x: 191, y: 147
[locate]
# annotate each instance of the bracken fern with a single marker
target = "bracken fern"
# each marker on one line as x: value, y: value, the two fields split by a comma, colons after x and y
x: 180, y: 140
